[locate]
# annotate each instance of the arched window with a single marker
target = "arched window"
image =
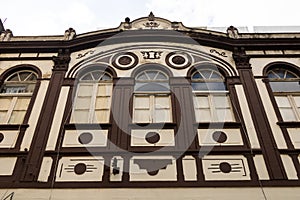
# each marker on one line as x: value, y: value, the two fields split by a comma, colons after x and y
x: 211, y: 98
x: 152, y: 101
x: 15, y: 95
x: 93, y: 98
x: 286, y: 90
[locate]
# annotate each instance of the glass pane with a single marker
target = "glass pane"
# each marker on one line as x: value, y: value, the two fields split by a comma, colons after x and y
x: 206, y: 73
x: 282, y: 101
x: 161, y: 76
x: 32, y: 77
x: 14, y: 77
x: 102, y: 102
x: 224, y: 115
x: 142, y: 116
x: 151, y: 74
x: 104, y: 90
x: 142, y: 76
x: 106, y: 77
x: 2, y: 117
x: 207, y: 86
x: 287, y: 114
x: 87, y: 77
x: 203, y: 115
x: 285, y: 86
x: 5, y: 103
x: 101, y: 116
x: 24, y: 75
x: 85, y: 90
x: 201, y: 102
x: 80, y: 116
x: 97, y: 75
x: 162, y: 101
x: 297, y: 100
x: 17, y: 117
x: 152, y: 87
x: 22, y: 103
x: 16, y: 88
x: 142, y: 102
x: 162, y: 115
x: 83, y: 103
x: 30, y: 88
x: 216, y: 75
x: 221, y: 101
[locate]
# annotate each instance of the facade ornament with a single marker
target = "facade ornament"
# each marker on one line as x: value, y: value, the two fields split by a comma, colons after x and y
x: 151, y: 17
x: 61, y: 61
x: 69, y: 34
x: 81, y: 55
x: 232, y: 32
x: 6, y: 35
x: 223, y: 54
x: 151, y: 54
x: 240, y: 58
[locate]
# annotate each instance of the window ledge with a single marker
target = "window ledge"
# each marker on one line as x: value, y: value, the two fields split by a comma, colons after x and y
x: 291, y: 124
x: 218, y: 125
x: 152, y: 125
x: 13, y: 126
x: 87, y: 126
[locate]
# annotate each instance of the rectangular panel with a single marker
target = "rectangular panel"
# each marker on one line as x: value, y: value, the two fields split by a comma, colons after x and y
x: 104, y: 89
x: 220, y: 137
x: 5, y: 103
x: 283, y: 102
x: 85, y: 90
x: 102, y: 102
x: 162, y: 101
x: 189, y: 168
x: 9, y: 139
x: 221, y: 101
x: 203, y: 115
x: 80, y: 169
x: 287, y: 114
x: 142, y: 116
x: 17, y: 117
x: 152, y: 137
x: 7, y: 165
x: 80, y: 116
x: 153, y: 168
x: 225, y: 168
x: 162, y: 115
x: 85, y: 138
x: 83, y: 102
x: 101, y: 116
x: 22, y: 103
x: 201, y: 102
x: 224, y: 114
x: 142, y: 102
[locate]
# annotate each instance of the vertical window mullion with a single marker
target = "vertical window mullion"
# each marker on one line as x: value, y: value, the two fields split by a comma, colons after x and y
x: 93, y: 103
x: 152, y: 109
x: 294, y: 106
x: 11, y: 109
x: 212, y: 108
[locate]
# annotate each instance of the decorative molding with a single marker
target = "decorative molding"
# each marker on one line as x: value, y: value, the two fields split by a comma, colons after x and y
x: 240, y: 58
x: 69, y: 34
x: 151, y: 54
x: 61, y: 62
x: 223, y: 54
x: 81, y: 55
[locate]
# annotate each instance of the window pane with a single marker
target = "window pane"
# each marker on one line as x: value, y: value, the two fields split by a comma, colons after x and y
x: 283, y: 102
x: 224, y: 114
x: 207, y: 86
x: 102, y: 102
x: 221, y: 101
x: 151, y: 75
x: 287, y: 114
x: 80, y: 116
x: 201, y: 102
x: 101, y: 116
x: 2, y: 116
x: 24, y: 75
x: 22, y: 103
x: 142, y: 102
x: 162, y: 102
x: 85, y: 90
x: 203, y: 115
x: 142, y: 116
x: 17, y: 117
x: 162, y: 115
x: 5, y: 103
x: 83, y: 103
x: 104, y: 90
x: 285, y: 86
x: 297, y: 101
x: 152, y: 87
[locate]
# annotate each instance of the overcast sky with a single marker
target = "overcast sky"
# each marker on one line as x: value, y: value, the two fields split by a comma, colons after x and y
x: 38, y: 17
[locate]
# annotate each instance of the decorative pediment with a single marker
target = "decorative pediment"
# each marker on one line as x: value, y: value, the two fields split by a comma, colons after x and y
x: 151, y: 22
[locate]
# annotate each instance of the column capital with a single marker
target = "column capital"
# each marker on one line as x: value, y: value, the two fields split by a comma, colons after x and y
x: 240, y: 58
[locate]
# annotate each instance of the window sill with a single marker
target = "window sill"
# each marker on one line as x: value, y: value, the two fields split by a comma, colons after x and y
x: 87, y: 126
x: 13, y: 126
x: 218, y: 125
x: 290, y: 124
x: 152, y: 125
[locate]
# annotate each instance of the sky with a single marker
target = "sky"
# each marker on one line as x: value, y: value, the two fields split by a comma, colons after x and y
x: 38, y: 17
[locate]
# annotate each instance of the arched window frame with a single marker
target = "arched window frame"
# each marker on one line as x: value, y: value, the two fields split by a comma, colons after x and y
x: 92, y: 101
x: 16, y: 93
x: 211, y: 97
x: 152, y: 105
x: 283, y: 83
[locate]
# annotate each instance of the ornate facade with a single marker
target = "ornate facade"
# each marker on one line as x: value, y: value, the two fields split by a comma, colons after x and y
x: 150, y: 107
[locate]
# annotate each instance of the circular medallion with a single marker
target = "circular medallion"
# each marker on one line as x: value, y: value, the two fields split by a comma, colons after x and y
x: 80, y: 168
x: 125, y: 60
x: 85, y: 138
x: 219, y: 136
x: 153, y: 173
x: 225, y: 167
x: 1, y: 137
x: 178, y: 60
x: 152, y: 137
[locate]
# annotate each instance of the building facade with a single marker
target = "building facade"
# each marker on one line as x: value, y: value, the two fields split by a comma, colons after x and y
x: 151, y: 109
